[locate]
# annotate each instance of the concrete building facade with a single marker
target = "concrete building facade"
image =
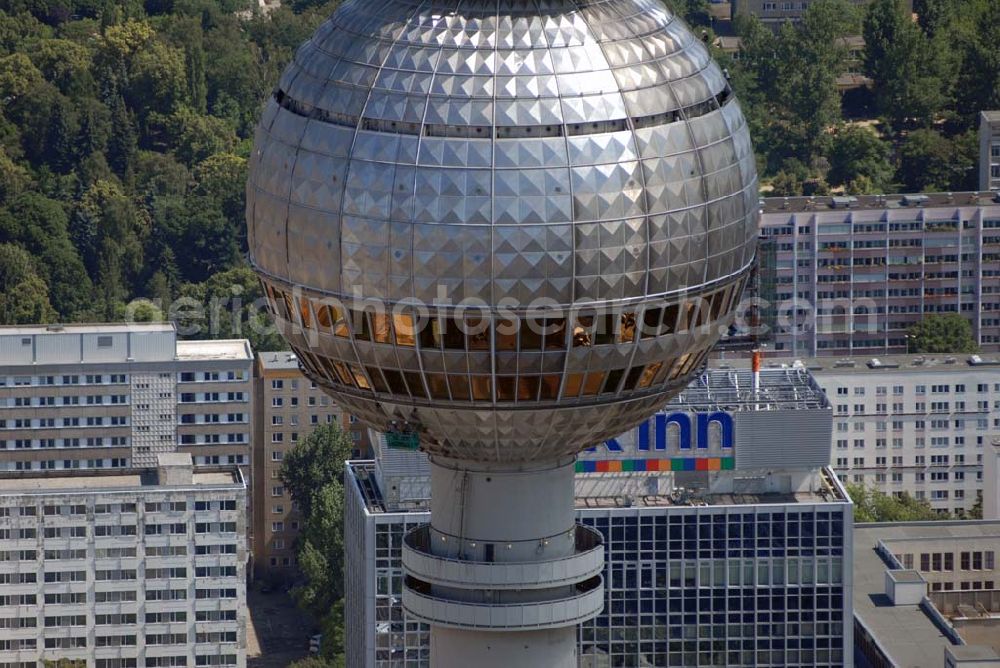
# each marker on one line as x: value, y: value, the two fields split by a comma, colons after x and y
x: 288, y: 407
x: 117, y: 396
x: 925, y: 594
x: 920, y: 424
x: 989, y: 150
x: 720, y: 547
x: 773, y: 13
x: 853, y: 274
x: 124, y: 569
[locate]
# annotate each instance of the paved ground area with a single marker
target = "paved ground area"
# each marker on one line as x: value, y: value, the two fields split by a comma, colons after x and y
x: 278, y: 633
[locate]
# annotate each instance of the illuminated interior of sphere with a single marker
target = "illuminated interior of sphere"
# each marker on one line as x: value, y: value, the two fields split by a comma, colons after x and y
x: 582, y: 161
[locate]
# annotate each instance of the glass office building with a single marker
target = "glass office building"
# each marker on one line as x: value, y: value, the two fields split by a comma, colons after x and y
x: 725, y: 542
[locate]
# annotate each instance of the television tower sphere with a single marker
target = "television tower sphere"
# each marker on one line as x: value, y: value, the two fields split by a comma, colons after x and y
x: 510, y: 229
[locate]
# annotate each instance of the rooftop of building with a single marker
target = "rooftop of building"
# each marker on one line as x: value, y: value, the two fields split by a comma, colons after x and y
x: 914, y: 636
x: 992, y: 115
x: 732, y: 390
x: 818, y: 203
x: 219, y: 349
x: 872, y: 365
x: 21, y: 483
x: 278, y: 360
x: 366, y: 474
x: 87, y: 328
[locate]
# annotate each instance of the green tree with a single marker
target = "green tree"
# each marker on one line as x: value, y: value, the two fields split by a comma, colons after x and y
x: 41, y: 226
x: 317, y: 460
x: 194, y: 137
x: 234, y: 308
x: 905, y: 65
x: 313, y: 473
x: 872, y: 505
x: 978, y: 77
x: 157, y: 79
x: 857, y: 152
x: 123, y: 144
x: 930, y: 162
x: 66, y: 64
x: 805, y: 103
x: 14, y: 178
x: 950, y: 333
x: 24, y: 297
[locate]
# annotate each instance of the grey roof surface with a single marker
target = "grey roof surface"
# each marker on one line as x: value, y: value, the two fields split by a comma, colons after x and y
x: 905, y: 632
x: 870, y: 364
x: 124, y: 481
x: 284, y: 359
x: 862, y: 202
x: 235, y: 349
x: 89, y: 328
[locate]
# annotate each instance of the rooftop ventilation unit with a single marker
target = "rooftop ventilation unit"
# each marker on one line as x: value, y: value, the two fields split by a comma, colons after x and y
x: 843, y: 202
x: 915, y: 200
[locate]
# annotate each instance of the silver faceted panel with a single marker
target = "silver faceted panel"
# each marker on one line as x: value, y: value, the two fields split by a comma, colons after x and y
x: 516, y: 228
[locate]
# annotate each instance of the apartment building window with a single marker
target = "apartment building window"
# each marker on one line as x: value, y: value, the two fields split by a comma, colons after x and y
x: 277, y: 402
x: 277, y: 420
x: 277, y: 490
x: 277, y: 455
x: 897, y: 390
x: 859, y: 443
x: 841, y: 443
x: 277, y: 527
x: 277, y: 384
x: 897, y: 477
x: 277, y: 437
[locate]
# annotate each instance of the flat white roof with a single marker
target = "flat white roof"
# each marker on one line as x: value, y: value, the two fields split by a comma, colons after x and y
x: 87, y: 328
x: 124, y: 481
x: 234, y: 349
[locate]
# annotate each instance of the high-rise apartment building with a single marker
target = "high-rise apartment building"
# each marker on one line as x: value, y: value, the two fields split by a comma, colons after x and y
x: 989, y: 150
x: 116, y: 396
x: 919, y: 424
x: 123, y: 568
x: 853, y: 274
x: 774, y: 13
x: 726, y: 540
x: 288, y: 407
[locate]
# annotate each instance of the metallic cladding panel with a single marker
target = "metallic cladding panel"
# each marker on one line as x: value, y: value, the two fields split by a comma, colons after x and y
x: 572, y: 152
x: 783, y: 439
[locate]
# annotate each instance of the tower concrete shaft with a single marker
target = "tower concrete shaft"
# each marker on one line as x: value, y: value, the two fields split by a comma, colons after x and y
x: 503, y: 574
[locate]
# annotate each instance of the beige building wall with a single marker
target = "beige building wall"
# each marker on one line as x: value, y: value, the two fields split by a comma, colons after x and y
x: 289, y: 406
